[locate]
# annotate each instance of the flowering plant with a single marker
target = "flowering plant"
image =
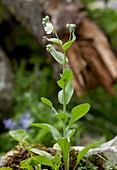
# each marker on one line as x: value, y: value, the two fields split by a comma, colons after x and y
x: 62, y: 144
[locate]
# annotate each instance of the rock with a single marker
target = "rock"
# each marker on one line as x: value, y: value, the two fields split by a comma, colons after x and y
x: 102, y: 157
x: 105, y: 154
x: 6, y: 85
x: 107, y: 150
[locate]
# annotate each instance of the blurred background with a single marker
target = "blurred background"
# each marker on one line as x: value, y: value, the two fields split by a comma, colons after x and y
x: 27, y: 72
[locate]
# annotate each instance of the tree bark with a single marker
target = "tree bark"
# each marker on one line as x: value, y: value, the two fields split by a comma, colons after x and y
x: 91, y: 58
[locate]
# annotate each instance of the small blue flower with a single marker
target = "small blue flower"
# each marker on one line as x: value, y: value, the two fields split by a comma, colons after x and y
x: 9, y: 124
x: 25, y: 121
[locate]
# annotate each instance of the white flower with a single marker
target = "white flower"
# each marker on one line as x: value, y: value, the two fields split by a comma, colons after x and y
x: 48, y: 28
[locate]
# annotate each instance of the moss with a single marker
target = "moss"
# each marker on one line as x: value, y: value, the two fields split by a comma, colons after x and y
x: 20, y: 154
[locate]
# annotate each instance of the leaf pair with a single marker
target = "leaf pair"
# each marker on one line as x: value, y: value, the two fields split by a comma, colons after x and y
x: 43, y: 158
x: 65, y: 82
x: 67, y: 45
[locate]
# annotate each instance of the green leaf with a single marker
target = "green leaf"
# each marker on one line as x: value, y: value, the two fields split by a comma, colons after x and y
x: 66, y: 77
x: 55, y: 133
x: 69, y: 90
x: 43, y: 161
x: 42, y: 153
x: 58, y: 56
x: 68, y: 44
x: 60, y: 96
x: 19, y: 135
x: 70, y: 133
x: 65, y: 147
x: 55, y: 40
x: 57, y: 159
x: 46, y: 101
x: 79, y: 111
x: 85, y: 150
x: 68, y: 93
x: 26, y: 164
x: 35, y: 160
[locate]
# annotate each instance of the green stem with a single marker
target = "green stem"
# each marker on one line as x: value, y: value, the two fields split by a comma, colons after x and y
x: 70, y: 36
x: 64, y: 96
x: 56, y: 36
x: 67, y: 164
x: 64, y: 110
x: 64, y: 101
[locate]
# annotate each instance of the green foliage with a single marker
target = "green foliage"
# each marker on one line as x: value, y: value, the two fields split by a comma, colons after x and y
x: 58, y: 56
x: 65, y: 147
x: 55, y: 133
x: 19, y: 135
x: 65, y: 78
x: 55, y: 40
x: 68, y: 44
x: 46, y: 101
x: 64, y: 97
x: 31, y: 85
x: 68, y: 91
x: 78, y: 112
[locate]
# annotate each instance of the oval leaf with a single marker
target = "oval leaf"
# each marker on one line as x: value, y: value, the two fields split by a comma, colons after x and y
x: 79, y: 111
x: 68, y: 93
x: 26, y: 164
x: 46, y: 101
x: 60, y: 97
x: 68, y: 44
x: 55, y: 133
x: 42, y: 153
x: 55, y: 40
x: 65, y: 147
x: 69, y: 90
x: 66, y: 77
x: 19, y: 135
x: 58, y: 56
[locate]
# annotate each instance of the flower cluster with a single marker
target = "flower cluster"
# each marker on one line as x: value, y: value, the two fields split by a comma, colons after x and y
x: 23, y: 123
x: 48, y: 27
x: 71, y: 27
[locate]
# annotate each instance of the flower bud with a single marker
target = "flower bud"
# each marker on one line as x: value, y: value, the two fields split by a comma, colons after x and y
x: 49, y: 47
x: 71, y: 27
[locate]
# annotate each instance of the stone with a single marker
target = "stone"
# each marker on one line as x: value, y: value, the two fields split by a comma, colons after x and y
x: 103, y: 156
x: 107, y: 150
